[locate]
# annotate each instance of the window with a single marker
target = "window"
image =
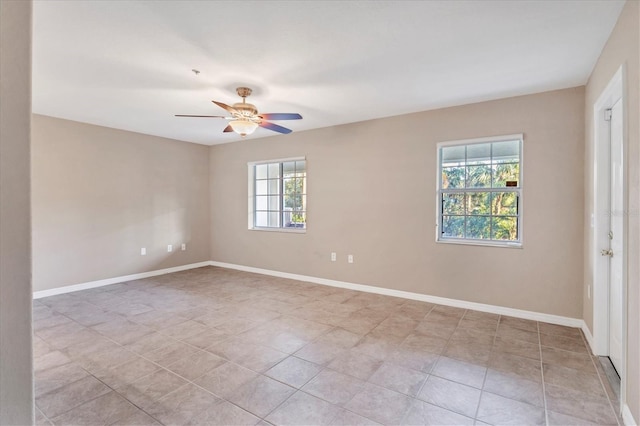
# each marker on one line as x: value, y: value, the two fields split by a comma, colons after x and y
x: 279, y: 196
x: 480, y: 191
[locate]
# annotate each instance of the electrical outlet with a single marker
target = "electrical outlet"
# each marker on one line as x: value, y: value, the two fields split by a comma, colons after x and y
x: 350, y: 258
x: 183, y: 247
x: 143, y: 251
x: 333, y: 257
x: 169, y: 248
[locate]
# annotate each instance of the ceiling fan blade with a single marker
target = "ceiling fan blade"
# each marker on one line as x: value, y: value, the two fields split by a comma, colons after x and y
x: 228, y: 129
x: 281, y: 116
x: 227, y: 107
x: 275, y: 127
x: 202, y: 116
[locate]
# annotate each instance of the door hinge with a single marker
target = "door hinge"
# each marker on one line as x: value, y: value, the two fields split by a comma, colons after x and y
x: 607, y: 114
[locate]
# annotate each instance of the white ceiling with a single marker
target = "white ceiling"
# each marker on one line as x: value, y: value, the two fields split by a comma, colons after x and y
x: 128, y: 64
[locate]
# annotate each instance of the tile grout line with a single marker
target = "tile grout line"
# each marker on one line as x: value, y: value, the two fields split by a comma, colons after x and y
x: 544, y: 388
x: 296, y: 390
x: 128, y: 400
x: 603, y: 386
x: 43, y: 415
x: 84, y: 402
x: 440, y: 355
x: 486, y: 372
x: 404, y: 416
x: 430, y: 370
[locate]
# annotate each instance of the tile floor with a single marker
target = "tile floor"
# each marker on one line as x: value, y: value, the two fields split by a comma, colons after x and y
x: 216, y: 346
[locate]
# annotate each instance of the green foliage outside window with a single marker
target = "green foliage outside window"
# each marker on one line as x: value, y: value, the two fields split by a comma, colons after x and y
x: 480, y: 192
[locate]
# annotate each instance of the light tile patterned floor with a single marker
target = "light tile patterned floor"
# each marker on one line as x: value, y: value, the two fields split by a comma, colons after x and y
x: 216, y: 346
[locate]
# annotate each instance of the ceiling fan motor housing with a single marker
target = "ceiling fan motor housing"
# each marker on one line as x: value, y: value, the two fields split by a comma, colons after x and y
x: 247, y: 110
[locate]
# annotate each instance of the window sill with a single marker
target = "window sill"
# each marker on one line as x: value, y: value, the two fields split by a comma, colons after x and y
x: 510, y: 245
x: 285, y: 230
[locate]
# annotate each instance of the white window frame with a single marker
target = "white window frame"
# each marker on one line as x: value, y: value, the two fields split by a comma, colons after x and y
x: 252, y: 199
x: 518, y: 190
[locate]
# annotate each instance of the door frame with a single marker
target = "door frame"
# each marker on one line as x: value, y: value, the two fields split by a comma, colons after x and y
x: 600, y: 221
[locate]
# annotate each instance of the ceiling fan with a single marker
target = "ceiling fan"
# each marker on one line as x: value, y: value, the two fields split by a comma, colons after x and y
x: 245, y: 118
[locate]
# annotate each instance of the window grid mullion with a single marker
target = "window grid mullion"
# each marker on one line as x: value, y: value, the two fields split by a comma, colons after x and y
x: 255, y: 197
x: 474, y: 190
x: 281, y: 191
x: 441, y: 210
x: 493, y: 179
x: 491, y: 193
x: 465, y: 200
x: 491, y: 163
x: 466, y: 171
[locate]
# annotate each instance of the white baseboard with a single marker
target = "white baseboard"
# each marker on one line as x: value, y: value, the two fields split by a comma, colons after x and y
x: 588, y: 336
x: 627, y: 417
x: 115, y: 280
x: 501, y: 310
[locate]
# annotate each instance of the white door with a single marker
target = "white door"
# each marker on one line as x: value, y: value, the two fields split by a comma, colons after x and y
x: 617, y: 228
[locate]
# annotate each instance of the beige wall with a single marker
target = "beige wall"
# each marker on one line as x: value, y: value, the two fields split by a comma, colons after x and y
x: 100, y: 194
x: 16, y: 379
x: 371, y: 192
x: 622, y: 48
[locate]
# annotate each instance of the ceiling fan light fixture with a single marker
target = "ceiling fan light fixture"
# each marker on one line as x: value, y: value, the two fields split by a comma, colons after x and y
x: 243, y: 127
